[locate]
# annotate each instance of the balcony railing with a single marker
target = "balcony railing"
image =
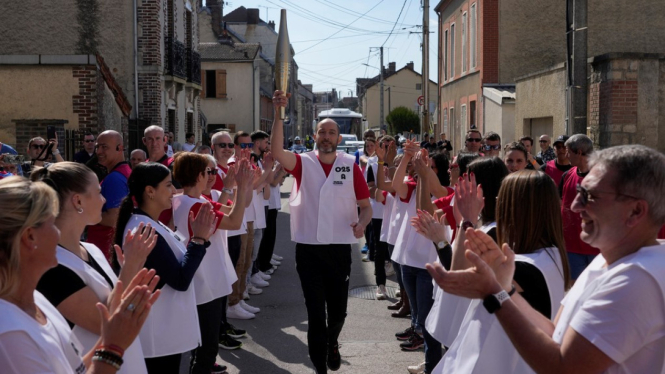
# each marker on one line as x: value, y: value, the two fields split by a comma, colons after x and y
x: 193, y: 66
x: 175, y: 61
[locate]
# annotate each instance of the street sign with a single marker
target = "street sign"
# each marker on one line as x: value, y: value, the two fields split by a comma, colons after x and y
x: 421, y: 100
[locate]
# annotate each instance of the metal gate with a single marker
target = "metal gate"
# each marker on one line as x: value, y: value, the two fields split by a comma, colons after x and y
x: 135, y: 139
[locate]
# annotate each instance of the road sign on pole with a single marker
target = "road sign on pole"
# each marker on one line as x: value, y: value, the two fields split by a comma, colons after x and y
x: 421, y: 100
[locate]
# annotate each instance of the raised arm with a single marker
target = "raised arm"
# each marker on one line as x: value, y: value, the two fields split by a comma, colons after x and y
x: 288, y: 159
x: 381, y: 182
x: 401, y: 189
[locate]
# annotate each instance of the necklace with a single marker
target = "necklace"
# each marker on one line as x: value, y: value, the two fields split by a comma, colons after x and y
x: 31, y: 310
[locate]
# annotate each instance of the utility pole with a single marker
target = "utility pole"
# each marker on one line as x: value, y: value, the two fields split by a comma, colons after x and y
x: 425, y: 84
x: 576, y: 66
x: 381, y: 90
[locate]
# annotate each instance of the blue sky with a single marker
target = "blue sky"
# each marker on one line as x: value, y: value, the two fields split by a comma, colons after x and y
x: 337, y: 61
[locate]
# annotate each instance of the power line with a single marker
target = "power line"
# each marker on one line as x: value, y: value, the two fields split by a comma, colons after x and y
x: 398, y: 16
x: 351, y: 12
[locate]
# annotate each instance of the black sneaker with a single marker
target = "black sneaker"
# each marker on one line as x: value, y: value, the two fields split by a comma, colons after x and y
x: 415, y: 343
x: 227, y: 342
x: 405, y: 335
x: 334, y: 358
x: 218, y: 369
x: 234, y: 332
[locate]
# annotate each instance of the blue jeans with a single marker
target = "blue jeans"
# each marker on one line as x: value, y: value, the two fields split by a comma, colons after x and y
x: 418, y: 285
x: 396, y: 266
x: 578, y: 262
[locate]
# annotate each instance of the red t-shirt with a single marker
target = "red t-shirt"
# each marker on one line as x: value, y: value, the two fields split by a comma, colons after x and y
x: 443, y: 203
x: 359, y: 184
x: 410, y: 185
x: 215, y: 209
x: 219, y: 182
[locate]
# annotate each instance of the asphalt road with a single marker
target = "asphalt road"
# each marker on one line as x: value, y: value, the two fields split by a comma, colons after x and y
x: 277, y: 341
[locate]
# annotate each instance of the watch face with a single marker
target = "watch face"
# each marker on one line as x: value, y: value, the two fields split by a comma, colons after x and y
x: 491, y: 304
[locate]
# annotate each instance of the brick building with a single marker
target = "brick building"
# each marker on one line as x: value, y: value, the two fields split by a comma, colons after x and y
x: 150, y: 52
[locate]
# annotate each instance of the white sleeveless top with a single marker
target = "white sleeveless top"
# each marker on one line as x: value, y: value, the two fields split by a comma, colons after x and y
x: 482, y: 345
x: 411, y: 248
x: 396, y: 216
x: 387, y: 214
x: 215, y: 275
x: 133, y: 357
x: 377, y: 207
x: 447, y: 313
x: 243, y: 227
x: 275, y: 201
x: 173, y: 323
x: 329, y: 223
x: 61, y: 351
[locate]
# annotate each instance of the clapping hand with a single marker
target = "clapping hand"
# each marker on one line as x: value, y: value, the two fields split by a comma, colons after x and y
x: 431, y: 227
x: 205, y: 223
x: 420, y: 163
x: 469, y: 198
x: 268, y: 161
x: 391, y: 153
x: 136, y: 246
x: 381, y: 151
x: 500, y: 260
x: 230, y: 178
x: 411, y: 147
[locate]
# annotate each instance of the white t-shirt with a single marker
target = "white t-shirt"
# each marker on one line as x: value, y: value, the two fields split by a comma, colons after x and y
x: 188, y: 147
x: 621, y: 312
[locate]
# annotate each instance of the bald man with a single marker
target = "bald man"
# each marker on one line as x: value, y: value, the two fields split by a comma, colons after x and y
x: 136, y: 157
x: 329, y: 187
x: 546, y: 153
x: 110, y: 154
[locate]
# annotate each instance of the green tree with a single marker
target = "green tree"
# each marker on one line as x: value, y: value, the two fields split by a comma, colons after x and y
x: 404, y: 120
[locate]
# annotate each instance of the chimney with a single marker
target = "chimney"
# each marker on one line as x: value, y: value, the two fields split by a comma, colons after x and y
x: 271, y: 24
x: 409, y: 65
x: 252, y: 16
x: 391, y: 67
x: 215, y: 7
x: 224, y: 37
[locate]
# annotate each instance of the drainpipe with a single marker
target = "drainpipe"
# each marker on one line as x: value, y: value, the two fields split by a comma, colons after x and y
x: 254, y: 96
x: 136, y: 66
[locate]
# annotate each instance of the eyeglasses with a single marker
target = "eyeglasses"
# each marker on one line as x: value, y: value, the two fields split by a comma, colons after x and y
x: 559, y: 146
x: 543, y: 141
x: 89, y: 140
x: 224, y: 145
x: 38, y: 146
x: 492, y: 147
x: 211, y: 172
x: 246, y: 145
x: 584, y: 193
x: 473, y: 140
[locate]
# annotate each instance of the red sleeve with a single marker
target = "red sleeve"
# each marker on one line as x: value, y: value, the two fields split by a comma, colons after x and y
x: 444, y: 202
x: 450, y: 217
x: 661, y: 234
x: 165, y: 216
x: 359, y: 184
x: 384, y: 193
x: 297, y: 171
x: 229, y: 202
x: 219, y: 183
x: 410, y: 186
x: 215, y: 209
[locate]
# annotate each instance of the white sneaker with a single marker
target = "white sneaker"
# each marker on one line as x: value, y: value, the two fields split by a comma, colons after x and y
x: 416, y: 369
x: 258, y: 281
x: 275, y: 263
x: 249, y: 308
x: 271, y: 271
x: 237, y: 312
x: 277, y: 257
x: 398, y: 293
x: 389, y: 269
x: 264, y: 276
x: 253, y: 290
x: 381, y: 293
x: 245, y: 295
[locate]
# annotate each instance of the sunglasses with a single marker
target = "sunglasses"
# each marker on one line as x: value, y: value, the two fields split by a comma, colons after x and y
x: 473, y: 140
x: 584, y: 194
x: 211, y: 172
x: 246, y: 145
x: 492, y: 147
x: 38, y: 146
x: 543, y: 141
x: 559, y: 146
x: 225, y: 145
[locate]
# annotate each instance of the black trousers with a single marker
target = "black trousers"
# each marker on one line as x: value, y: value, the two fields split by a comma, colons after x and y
x: 267, y: 246
x: 380, y: 252
x: 234, y: 248
x: 210, y: 318
x: 324, y: 272
x: 369, y: 239
x: 164, y: 364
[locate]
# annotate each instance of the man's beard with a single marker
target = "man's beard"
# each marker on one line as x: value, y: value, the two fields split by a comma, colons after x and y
x: 330, y: 147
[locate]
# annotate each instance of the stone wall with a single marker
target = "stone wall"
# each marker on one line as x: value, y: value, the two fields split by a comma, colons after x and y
x: 626, y: 97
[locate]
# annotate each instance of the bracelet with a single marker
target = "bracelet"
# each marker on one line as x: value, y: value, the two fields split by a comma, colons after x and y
x: 55, y: 152
x: 381, y: 162
x: 108, y: 357
x: 512, y: 290
x: 227, y: 191
x: 111, y: 348
x: 466, y: 224
x: 196, y: 240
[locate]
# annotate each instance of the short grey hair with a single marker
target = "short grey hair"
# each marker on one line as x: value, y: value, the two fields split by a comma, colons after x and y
x: 640, y: 173
x: 153, y: 128
x: 580, y: 143
x: 139, y: 150
x: 218, y: 135
x: 211, y: 159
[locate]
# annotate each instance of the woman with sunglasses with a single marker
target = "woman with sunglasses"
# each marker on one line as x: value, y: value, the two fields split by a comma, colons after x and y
x: 541, y: 275
x: 34, y: 336
x: 83, y: 276
x: 172, y: 327
x: 216, y: 274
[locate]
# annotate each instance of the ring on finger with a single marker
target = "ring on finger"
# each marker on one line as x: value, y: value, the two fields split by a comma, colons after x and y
x: 131, y: 307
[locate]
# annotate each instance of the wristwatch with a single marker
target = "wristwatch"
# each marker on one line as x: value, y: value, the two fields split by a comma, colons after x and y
x: 466, y: 224
x: 442, y: 245
x: 493, y: 302
x: 227, y: 191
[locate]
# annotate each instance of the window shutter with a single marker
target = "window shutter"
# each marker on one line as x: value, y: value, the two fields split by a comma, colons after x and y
x: 221, y: 84
x: 203, y: 83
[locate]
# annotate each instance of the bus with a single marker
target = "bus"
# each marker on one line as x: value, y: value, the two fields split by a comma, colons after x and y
x: 349, y: 121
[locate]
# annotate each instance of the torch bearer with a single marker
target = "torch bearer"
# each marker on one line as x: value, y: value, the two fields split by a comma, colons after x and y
x: 282, y: 60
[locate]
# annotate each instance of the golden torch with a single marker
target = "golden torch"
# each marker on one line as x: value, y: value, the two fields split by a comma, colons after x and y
x: 282, y: 60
